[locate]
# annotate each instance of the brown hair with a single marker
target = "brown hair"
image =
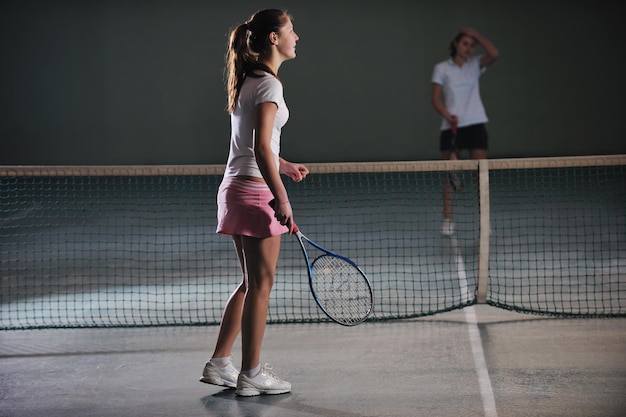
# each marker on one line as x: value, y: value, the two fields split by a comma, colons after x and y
x: 246, y: 42
x: 453, y: 42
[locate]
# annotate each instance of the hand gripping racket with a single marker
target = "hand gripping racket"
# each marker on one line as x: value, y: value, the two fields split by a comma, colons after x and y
x: 454, y: 176
x: 339, y: 287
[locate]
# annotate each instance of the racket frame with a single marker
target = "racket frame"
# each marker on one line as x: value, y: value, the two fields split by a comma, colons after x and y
x: 325, y: 252
x: 309, y: 266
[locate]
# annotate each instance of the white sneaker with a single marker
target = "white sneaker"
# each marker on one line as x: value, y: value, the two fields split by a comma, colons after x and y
x: 226, y: 376
x: 447, y: 229
x: 265, y: 382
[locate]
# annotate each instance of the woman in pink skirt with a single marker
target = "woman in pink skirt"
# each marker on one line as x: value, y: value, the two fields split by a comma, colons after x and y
x: 256, y: 50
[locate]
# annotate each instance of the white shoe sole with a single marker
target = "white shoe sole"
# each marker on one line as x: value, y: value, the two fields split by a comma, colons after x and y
x: 251, y: 392
x: 218, y: 381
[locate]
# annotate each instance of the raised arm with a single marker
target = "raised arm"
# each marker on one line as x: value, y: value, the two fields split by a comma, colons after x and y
x: 491, y: 52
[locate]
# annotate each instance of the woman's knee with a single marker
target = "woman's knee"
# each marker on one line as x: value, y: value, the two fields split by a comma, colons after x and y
x: 262, y: 281
x: 478, y: 153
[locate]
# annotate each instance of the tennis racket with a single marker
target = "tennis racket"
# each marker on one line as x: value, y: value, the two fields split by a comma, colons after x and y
x: 338, y: 285
x: 454, y: 176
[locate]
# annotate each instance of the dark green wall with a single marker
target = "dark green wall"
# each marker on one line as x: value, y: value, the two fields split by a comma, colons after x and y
x: 140, y: 82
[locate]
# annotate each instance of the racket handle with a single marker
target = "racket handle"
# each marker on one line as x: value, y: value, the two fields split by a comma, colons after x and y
x: 454, y: 127
x: 272, y: 204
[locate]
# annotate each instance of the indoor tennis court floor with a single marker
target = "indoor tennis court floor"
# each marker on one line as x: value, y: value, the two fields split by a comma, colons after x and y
x: 479, y: 361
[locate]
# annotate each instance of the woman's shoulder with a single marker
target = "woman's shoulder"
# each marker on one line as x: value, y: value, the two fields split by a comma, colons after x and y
x: 446, y: 63
x: 269, y: 82
x: 263, y: 88
x: 262, y: 78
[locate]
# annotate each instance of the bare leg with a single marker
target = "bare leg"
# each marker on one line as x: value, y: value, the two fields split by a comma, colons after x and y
x: 477, y: 154
x: 261, y: 258
x: 231, y: 318
x: 448, y: 192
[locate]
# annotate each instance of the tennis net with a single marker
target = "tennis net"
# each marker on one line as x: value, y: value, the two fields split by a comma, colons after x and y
x: 112, y: 246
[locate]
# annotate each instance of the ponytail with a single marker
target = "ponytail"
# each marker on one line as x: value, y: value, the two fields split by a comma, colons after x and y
x: 246, y: 43
x: 236, y: 55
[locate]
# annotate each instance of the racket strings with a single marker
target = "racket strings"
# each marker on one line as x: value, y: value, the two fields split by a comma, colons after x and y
x: 341, y: 289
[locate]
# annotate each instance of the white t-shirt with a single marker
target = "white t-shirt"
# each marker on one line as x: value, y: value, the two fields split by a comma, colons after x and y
x: 241, y: 159
x: 461, y: 90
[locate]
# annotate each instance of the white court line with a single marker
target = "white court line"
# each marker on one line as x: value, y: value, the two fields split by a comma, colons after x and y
x: 484, y: 382
x: 461, y: 273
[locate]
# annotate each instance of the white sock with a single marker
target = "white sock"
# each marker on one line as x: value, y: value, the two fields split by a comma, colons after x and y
x: 220, y: 362
x: 251, y: 373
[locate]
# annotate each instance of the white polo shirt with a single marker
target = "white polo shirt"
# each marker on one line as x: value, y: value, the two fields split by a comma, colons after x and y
x: 241, y: 159
x: 461, y: 90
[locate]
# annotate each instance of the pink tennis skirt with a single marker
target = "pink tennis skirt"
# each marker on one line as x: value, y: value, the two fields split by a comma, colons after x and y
x: 243, y: 209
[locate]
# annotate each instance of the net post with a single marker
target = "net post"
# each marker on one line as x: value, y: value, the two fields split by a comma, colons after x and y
x: 485, y: 229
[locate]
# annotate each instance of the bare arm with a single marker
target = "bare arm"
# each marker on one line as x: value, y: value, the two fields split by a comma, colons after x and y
x: 264, y: 116
x: 296, y: 172
x: 435, y: 100
x: 491, y: 52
